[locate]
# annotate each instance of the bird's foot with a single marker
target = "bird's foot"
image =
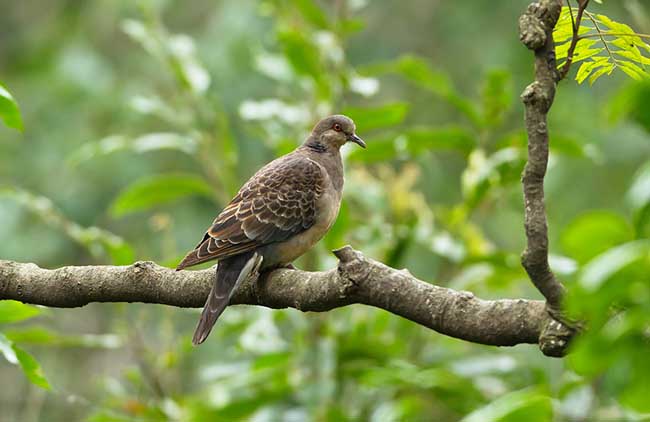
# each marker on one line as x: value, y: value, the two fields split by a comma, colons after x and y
x: 289, y: 266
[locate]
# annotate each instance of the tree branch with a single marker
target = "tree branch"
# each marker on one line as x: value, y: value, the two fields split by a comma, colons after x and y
x: 357, y: 279
x: 536, y: 32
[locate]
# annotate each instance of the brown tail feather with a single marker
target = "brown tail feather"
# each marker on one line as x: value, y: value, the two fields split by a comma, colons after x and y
x: 192, y: 259
x: 230, y: 273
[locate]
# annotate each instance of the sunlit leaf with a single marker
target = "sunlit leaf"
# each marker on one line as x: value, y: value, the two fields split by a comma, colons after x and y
x: 31, y: 368
x: 609, y: 45
x: 153, y: 191
x: 9, y: 112
x: 14, y: 311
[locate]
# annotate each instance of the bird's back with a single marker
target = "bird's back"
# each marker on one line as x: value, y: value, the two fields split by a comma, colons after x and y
x: 277, y: 202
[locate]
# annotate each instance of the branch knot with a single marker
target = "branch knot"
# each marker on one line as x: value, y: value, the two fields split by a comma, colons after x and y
x: 537, y: 22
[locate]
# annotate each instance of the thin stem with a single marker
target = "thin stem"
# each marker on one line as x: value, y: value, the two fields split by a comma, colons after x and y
x: 602, y: 39
x: 573, y: 22
x: 582, y: 5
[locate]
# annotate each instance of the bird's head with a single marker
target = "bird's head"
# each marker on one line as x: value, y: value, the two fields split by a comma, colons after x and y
x: 332, y: 132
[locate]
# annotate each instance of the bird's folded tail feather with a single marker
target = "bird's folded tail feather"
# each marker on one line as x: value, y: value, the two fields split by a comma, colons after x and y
x: 231, y: 272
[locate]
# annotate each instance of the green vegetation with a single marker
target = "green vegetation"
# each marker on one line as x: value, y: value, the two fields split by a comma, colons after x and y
x: 127, y: 125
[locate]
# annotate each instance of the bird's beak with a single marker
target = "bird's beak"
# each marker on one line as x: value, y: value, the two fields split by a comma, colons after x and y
x: 354, y: 138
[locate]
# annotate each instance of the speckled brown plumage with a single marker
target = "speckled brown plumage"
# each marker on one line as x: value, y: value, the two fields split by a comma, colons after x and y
x: 279, y: 214
x: 277, y: 202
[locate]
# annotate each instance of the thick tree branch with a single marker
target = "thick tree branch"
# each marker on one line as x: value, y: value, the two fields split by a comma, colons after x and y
x: 357, y: 279
x: 536, y: 32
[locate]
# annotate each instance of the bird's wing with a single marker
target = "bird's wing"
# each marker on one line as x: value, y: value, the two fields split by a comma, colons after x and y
x: 278, y: 202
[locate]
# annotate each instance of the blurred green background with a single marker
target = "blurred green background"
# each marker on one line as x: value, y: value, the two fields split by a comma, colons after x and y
x: 143, y: 118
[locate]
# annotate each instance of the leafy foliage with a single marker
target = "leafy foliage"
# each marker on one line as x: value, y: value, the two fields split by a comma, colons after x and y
x: 156, y: 190
x: 604, y: 45
x: 9, y: 111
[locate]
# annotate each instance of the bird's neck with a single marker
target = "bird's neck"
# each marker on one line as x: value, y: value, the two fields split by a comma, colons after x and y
x: 329, y: 158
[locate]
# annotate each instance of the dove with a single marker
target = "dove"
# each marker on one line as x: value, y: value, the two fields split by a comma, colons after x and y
x: 278, y: 214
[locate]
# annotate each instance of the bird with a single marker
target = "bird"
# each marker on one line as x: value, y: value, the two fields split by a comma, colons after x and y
x: 278, y: 214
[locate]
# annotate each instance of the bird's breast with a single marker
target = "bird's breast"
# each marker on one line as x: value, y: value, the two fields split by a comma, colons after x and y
x: 282, y: 253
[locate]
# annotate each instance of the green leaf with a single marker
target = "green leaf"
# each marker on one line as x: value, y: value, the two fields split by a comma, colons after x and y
x: 312, y: 13
x: 523, y: 405
x: 563, y: 30
x: 9, y: 111
x: 593, y: 233
x: 632, y: 70
x: 638, y: 196
x: 301, y: 53
x: 152, y: 191
x: 385, y: 115
x: 14, y: 311
x: 589, y: 66
x: 606, y: 69
x: 44, y: 336
x: 609, y: 44
x: 31, y: 368
x: 497, y: 96
x: 603, y: 267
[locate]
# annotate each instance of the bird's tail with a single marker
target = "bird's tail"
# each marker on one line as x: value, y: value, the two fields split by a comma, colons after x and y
x: 230, y: 273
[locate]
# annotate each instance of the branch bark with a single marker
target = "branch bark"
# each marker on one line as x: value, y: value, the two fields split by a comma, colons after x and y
x: 536, y: 32
x: 357, y: 279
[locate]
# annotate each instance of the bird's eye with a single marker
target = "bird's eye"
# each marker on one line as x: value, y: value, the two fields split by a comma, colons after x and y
x: 337, y: 127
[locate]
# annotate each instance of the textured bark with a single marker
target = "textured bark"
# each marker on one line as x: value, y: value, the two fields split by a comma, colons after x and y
x: 536, y: 32
x: 357, y: 279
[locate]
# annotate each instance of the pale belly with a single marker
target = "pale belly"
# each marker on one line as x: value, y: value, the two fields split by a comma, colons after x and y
x: 282, y: 253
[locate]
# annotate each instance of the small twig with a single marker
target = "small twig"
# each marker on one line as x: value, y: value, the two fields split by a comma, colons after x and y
x: 602, y: 39
x: 582, y: 5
